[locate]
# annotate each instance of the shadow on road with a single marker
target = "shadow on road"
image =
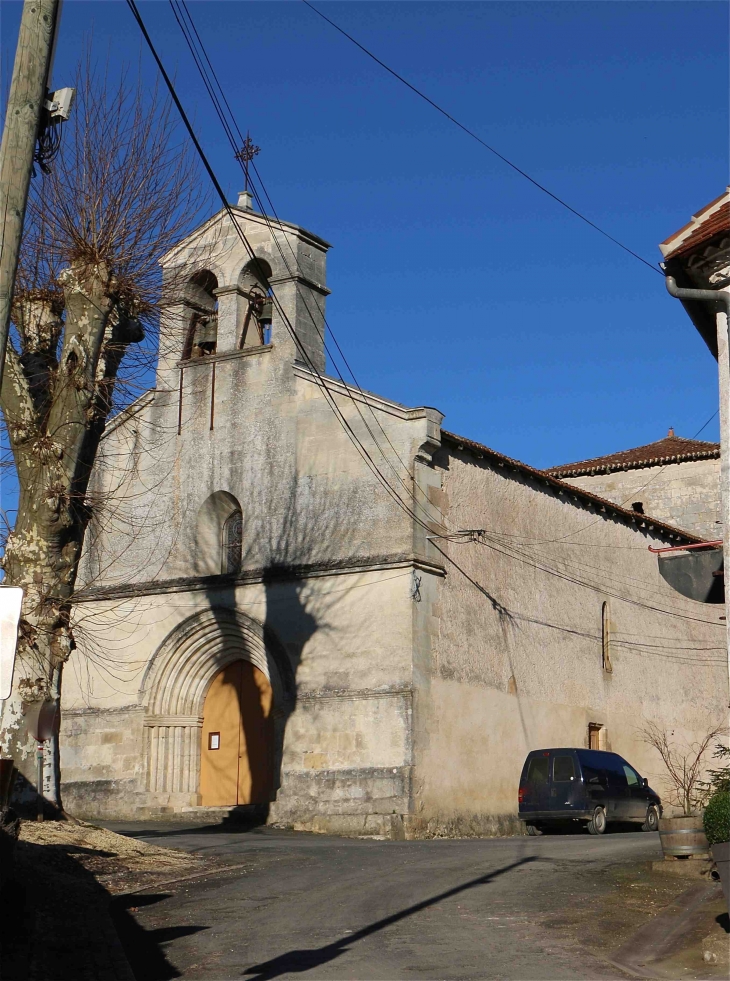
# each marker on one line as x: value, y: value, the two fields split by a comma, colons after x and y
x: 235, y: 823
x: 144, y: 947
x: 56, y: 921
x: 306, y: 960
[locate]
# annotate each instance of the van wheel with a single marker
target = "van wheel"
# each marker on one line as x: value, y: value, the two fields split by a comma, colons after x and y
x: 532, y: 829
x: 597, y: 824
x: 651, y: 822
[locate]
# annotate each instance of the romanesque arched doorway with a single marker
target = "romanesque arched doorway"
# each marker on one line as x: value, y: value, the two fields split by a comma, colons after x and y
x: 237, y: 739
x: 188, y: 665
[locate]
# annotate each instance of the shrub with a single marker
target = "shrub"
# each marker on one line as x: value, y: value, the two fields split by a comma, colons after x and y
x: 717, y: 817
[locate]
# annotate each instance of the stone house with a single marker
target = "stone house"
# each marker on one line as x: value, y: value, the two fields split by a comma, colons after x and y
x: 307, y: 600
x: 675, y: 479
x: 697, y: 266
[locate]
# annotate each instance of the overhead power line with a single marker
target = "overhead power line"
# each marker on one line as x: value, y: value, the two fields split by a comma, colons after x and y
x: 362, y: 450
x: 227, y: 118
x: 475, y: 136
x: 322, y: 381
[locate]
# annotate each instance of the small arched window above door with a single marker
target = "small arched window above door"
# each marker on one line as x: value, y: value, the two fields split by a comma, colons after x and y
x: 232, y: 543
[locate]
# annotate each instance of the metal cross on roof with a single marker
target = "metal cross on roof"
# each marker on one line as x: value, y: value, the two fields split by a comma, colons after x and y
x: 245, y: 155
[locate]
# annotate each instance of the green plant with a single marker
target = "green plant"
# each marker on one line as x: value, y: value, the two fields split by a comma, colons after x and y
x: 716, y: 818
x: 719, y: 779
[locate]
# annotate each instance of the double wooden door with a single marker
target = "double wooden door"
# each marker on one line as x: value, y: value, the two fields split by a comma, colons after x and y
x: 236, y: 755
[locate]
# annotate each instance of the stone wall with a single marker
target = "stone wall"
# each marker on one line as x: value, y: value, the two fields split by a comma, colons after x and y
x: 513, y: 661
x: 405, y: 696
x: 102, y: 760
x: 686, y: 495
x: 345, y: 748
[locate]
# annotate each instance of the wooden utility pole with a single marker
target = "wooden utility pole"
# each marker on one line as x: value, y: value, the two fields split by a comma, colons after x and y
x: 22, y: 123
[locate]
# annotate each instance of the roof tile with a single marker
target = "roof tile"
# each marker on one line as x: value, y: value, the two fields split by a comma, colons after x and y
x: 718, y: 222
x: 671, y: 449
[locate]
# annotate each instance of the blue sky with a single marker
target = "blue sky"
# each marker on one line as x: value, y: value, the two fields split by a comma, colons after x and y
x: 455, y: 283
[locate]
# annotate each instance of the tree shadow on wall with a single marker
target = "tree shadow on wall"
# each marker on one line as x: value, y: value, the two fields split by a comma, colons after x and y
x: 282, y: 544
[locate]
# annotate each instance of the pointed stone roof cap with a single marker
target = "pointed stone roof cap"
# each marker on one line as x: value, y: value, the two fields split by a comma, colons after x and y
x: 671, y: 449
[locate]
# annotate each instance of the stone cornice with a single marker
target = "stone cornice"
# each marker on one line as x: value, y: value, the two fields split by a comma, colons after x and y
x: 350, y: 694
x: 195, y: 721
x: 292, y: 573
x: 304, y: 281
x: 244, y: 352
x: 369, y: 398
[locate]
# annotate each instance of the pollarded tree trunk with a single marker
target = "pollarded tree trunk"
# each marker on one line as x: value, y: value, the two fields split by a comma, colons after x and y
x: 55, y: 407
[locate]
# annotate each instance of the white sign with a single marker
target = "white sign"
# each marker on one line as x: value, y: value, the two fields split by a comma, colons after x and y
x: 11, y: 598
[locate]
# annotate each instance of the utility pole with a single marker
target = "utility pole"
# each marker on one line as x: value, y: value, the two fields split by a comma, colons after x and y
x: 22, y: 124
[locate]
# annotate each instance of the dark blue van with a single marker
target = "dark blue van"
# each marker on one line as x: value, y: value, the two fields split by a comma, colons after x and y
x: 587, y: 785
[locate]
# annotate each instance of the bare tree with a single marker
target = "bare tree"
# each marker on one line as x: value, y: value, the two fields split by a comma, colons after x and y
x: 87, y: 310
x: 684, y: 764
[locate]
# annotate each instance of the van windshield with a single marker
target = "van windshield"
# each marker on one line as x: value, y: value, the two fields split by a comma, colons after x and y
x: 537, y: 771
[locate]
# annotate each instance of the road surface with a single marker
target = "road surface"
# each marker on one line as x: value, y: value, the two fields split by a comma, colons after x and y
x: 314, y: 906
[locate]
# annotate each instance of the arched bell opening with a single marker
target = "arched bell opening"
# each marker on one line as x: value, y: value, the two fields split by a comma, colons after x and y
x: 201, y: 338
x: 254, y: 288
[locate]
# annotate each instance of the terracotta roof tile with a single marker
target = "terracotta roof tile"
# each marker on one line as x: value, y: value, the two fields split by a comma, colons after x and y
x: 718, y: 221
x: 695, y: 218
x: 671, y: 449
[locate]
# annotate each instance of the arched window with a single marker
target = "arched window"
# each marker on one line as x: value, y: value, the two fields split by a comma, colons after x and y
x: 606, y: 639
x: 202, y: 334
x: 232, y: 543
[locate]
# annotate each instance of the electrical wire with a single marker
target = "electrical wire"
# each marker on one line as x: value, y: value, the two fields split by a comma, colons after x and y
x: 634, y: 492
x: 479, y: 140
x: 199, y: 54
x: 229, y: 131
x: 321, y: 380
x: 366, y: 456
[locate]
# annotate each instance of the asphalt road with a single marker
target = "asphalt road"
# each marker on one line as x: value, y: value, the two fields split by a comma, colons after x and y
x: 313, y: 906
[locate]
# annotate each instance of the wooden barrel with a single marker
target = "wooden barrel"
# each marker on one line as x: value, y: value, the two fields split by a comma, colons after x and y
x: 683, y: 837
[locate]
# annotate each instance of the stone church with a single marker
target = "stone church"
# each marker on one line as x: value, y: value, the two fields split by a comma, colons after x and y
x: 311, y: 604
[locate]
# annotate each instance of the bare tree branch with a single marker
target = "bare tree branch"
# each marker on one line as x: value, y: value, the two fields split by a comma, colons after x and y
x: 684, y: 763
x: 123, y: 190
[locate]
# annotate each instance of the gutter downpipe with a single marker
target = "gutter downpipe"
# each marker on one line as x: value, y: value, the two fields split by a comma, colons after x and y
x: 723, y: 365
x: 685, y: 548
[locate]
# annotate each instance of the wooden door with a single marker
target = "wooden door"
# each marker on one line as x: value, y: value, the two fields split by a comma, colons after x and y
x: 236, y: 754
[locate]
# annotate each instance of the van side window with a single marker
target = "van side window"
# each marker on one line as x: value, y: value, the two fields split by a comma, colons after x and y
x: 592, y: 774
x: 537, y: 772
x: 631, y: 776
x: 615, y: 770
x: 563, y: 769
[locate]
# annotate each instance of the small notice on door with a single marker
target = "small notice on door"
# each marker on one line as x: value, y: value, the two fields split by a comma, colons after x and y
x: 214, y: 740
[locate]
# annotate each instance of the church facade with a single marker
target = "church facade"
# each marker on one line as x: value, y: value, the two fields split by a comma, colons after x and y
x: 264, y: 625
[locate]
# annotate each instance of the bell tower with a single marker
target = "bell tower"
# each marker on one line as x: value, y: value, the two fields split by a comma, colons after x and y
x: 241, y: 284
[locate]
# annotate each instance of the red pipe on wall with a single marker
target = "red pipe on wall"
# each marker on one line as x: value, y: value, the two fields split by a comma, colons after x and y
x: 682, y: 548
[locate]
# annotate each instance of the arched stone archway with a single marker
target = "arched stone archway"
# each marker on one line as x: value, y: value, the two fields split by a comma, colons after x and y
x: 176, y: 682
